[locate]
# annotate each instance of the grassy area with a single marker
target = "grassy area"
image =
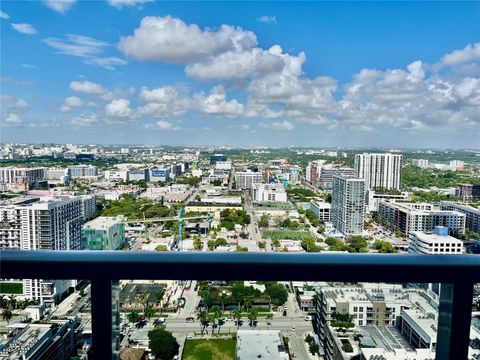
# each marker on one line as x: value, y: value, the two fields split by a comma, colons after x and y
x: 11, y: 288
x: 213, y: 349
x: 286, y: 235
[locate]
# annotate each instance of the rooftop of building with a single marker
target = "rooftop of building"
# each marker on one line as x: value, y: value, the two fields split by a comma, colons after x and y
x: 260, y: 344
x: 434, y: 238
x: 103, y: 222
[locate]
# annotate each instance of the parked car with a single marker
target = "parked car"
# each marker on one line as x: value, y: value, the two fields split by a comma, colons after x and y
x: 190, y: 319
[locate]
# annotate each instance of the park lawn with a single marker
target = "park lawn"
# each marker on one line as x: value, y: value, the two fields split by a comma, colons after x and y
x: 213, y: 349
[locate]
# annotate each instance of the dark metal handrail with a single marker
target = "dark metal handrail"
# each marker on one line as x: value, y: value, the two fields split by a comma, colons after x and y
x: 458, y: 273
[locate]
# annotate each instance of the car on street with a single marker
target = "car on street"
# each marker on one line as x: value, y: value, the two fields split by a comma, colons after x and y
x: 308, y: 318
x: 190, y: 319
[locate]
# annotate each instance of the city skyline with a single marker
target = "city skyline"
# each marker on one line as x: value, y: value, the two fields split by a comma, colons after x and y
x: 273, y: 74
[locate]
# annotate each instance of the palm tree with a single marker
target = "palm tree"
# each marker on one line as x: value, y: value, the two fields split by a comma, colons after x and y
x: 12, y: 302
x: 217, y: 313
x: 149, y: 312
x: 7, y: 315
x: 252, y: 317
x: 223, y: 300
x: 212, y: 320
x: 132, y: 316
x: 247, y: 303
x: 159, y: 296
x: 143, y: 299
x: 202, y: 317
x: 237, y: 314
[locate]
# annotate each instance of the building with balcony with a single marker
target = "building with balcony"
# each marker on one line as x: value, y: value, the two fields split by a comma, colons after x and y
x: 468, y: 192
x: 472, y: 215
x: 46, y: 223
x: 379, y: 170
x: 23, y: 179
x: 348, y: 204
x: 408, y: 217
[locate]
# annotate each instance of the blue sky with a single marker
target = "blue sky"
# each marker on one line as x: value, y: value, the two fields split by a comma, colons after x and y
x: 319, y: 74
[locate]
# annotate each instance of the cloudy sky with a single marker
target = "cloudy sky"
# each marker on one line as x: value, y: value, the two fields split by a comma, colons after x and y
x: 318, y: 74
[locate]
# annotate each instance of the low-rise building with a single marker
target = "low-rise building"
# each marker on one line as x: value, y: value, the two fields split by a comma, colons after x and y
x: 104, y: 233
x: 438, y: 243
x: 260, y: 344
x: 472, y: 215
x: 373, y: 198
x: 269, y: 193
x: 408, y: 217
x: 321, y: 210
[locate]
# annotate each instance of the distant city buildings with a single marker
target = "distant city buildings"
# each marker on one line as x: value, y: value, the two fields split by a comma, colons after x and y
x: 320, y: 174
x: 21, y: 179
x: 382, y: 171
x: 468, y: 192
x: 348, y: 202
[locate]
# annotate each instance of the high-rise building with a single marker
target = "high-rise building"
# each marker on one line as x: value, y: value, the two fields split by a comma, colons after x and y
x: 348, y: 204
x: 50, y: 223
x: 379, y: 170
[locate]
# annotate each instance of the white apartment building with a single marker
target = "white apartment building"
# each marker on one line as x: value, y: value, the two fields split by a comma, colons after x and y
x: 21, y: 178
x: 83, y: 171
x: 438, y: 243
x: 472, y: 215
x: 269, y: 193
x: 379, y: 170
x: 116, y: 175
x: 373, y: 198
x: 246, y: 179
x: 348, y: 204
x: 51, y: 223
x: 321, y: 210
x: 392, y: 309
x: 408, y: 217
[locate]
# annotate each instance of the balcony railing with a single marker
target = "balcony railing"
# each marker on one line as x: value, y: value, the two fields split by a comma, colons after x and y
x: 457, y: 273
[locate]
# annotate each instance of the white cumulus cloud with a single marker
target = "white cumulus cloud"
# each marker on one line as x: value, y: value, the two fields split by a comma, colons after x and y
x: 124, y: 3
x: 118, y: 108
x: 60, y: 6
x: 172, y: 40
x: 216, y: 103
x: 266, y: 19
x: 24, y: 28
x: 87, y: 87
x: 4, y: 15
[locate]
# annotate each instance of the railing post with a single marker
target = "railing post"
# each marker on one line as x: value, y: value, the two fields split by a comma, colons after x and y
x: 102, y: 319
x: 454, y: 320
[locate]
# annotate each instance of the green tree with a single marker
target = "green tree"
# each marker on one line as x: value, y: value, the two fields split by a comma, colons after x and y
x: 252, y: 316
x: 202, y: 316
x: 7, y: 315
x: 357, y: 243
x: 263, y: 222
x: 384, y: 247
x: 277, y: 292
x: 149, y: 312
x: 237, y: 315
x: 159, y: 296
x: 314, y: 348
x: 262, y: 244
x: 132, y: 316
x: 162, y: 343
